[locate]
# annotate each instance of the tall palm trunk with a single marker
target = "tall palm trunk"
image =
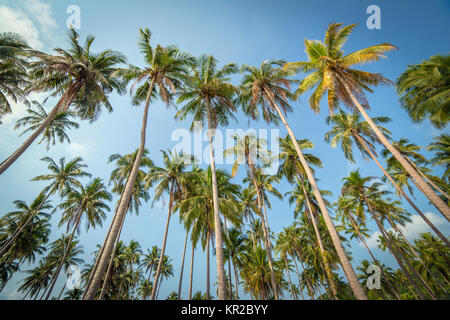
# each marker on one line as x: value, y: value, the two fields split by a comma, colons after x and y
x: 110, y: 264
x: 391, y: 287
x: 230, y: 289
x: 61, y: 292
x: 191, y: 272
x: 236, y: 279
x: 182, y: 265
x: 298, y: 277
x: 358, y: 291
x: 293, y: 294
x: 319, y: 241
x: 267, y: 242
x: 217, y: 224
x: 163, y: 249
x: 19, y: 231
x: 66, y: 252
x: 127, y: 192
x: 63, y: 103
x: 308, y: 283
x: 400, y: 190
x: 208, y: 294
x: 427, y: 190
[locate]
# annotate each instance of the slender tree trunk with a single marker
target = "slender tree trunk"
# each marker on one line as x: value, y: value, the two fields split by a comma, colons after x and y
x: 298, y: 276
x: 358, y: 291
x: 163, y: 249
x: 217, y: 224
x: 230, y: 289
x: 434, y: 198
x: 208, y: 295
x: 308, y: 283
x: 127, y: 192
x: 19, y: 231
x: 191, y: 272
x: 62, y: 291
x: 267, y: 242
x: 400, y: 190
x: 64, y: 101
x: 236, y: 280
x: 182, y: 265
x: 293, y: 294
x: 63, y: 260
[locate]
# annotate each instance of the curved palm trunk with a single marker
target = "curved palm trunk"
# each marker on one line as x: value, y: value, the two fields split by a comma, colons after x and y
x: 298, y: 277
x: 58, y: 270
x: 391, y: 287
x: 400, y: 190
x: 64, y: 101
x: 182, y: 265
x: 358, y: 291
x: 19, y: 231
x: 163, y: 249
x: 191, y: 272
x: 110, y: 264
x: 308, y: 283
x: 127, y: 192
x: 217, y: 223
x: 427, y: 190
x: 61, y: 292
x: 293, y: 294
x: 319, y: 241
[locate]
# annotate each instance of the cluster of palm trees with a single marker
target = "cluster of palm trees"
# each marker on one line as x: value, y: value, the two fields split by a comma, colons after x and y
x: 233, y: 218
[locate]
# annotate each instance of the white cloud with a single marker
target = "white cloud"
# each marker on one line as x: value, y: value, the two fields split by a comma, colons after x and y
x: 12, y: 20
x: 415, y: 227
x: 42, y: 13
x: 77, y: 149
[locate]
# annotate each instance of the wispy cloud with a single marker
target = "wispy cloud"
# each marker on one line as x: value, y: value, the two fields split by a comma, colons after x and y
x: 77, y: 149
x: 414, y: 228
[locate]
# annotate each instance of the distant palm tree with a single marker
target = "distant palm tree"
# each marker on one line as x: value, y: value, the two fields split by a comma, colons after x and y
x: 64, y: 176
x: 89, y: 201
x: 161, y: 75
x: 82, y: 78
x: 74, y: 294
x: 441, y: 148
x: 13, y: 71
x: 55, y: 130
x: 208, y: 93
x: 424, y: 90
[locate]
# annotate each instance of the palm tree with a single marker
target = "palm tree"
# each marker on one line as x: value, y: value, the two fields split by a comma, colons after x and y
x: 64, y: 176
x: 424, y: 90
x: 82, y: 78
x: 151, y: 260
x: 172, y: 179
x: 441, y: 147
x: 348, y: 129
x: 161, y: 75
x: 86, y: 201
x: 330, y: 71
x: 13, y: 73
x: 268, y: 87
x: 55, y: 130
x: 74, y: 294
x: 235, y: 247
x: 209, y: 93
x: 37, y: 279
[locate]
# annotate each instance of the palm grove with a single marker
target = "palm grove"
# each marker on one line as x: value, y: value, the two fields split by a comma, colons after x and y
x: 227, y: 220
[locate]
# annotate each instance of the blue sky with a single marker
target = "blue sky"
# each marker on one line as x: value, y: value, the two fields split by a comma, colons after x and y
x: 244, y: 32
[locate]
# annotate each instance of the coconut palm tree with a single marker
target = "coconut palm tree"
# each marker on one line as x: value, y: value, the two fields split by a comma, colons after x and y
x: 331, y: 72
x: 161, y: 76
x: 348, y: 129
x: 441, y: 147
x: 268, y: 87
x: 209, y: 94
x: 25, y: 230
x: 74, y: 294
x: 171, y: 179
x: 235, y: 247
x: 88, y: 202
x: 38, y: 278
x: 56, y: 130
x: 424, y: 90
x: 13, y: 72
x: 82, y: 79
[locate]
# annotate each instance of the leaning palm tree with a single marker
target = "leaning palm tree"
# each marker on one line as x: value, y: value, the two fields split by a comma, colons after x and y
x: 441, y: 147
x: 63, y: 176
x: 88, y: 202
x: 13, y: 72
x: 208, y: 94
x: 268, y: 87
x: 56, y: 130
x: 424, y: 90
x: 171, y: 179
x: 347, y: 130
x: 161, y: 76
x: 82, y: 79
x: 331, y: 72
